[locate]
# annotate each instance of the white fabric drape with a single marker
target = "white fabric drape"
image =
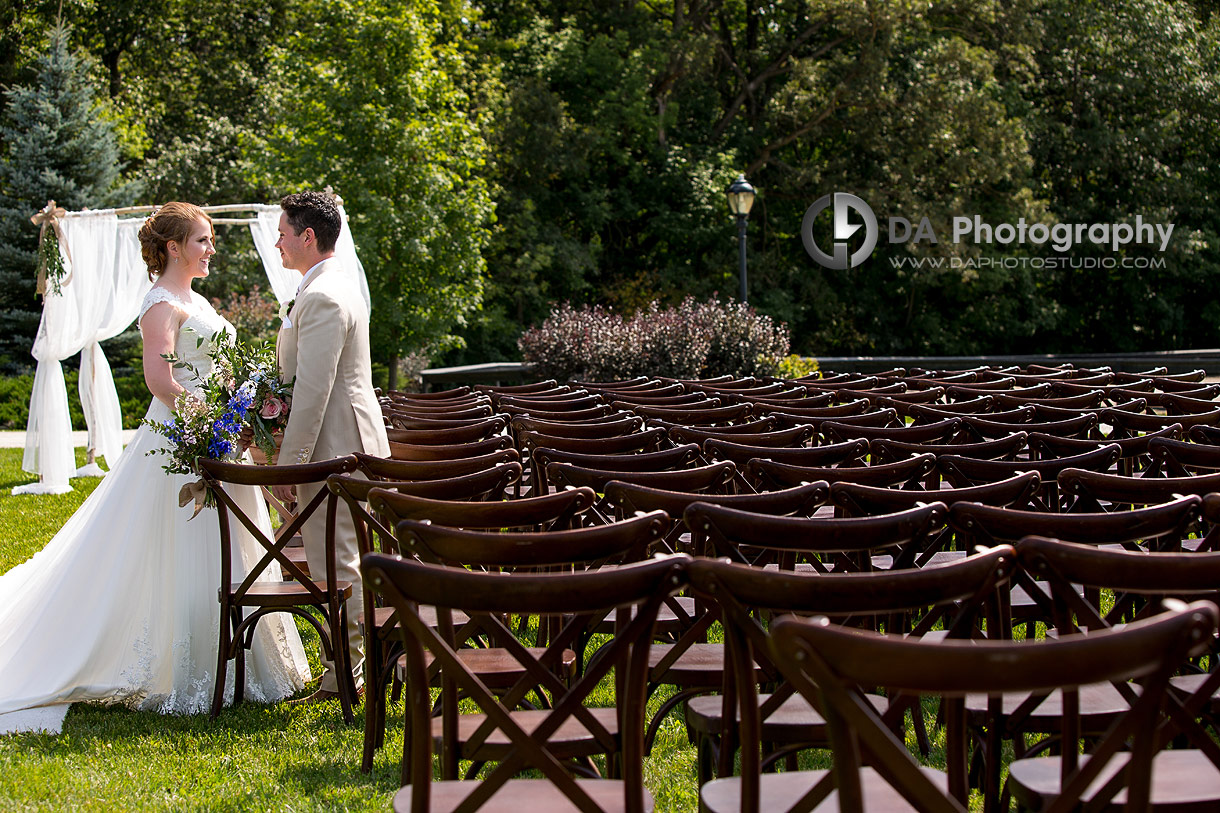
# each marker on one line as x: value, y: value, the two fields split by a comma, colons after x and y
x: 265, y: 231
x: 103, y: 287
x: 100, y: 297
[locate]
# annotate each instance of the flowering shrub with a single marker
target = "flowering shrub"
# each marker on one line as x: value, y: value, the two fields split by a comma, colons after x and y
x: 253, y: 314
x: 692, y: 340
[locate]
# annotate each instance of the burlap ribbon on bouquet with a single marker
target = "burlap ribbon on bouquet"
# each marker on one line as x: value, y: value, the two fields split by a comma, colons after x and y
x: 197, y: 492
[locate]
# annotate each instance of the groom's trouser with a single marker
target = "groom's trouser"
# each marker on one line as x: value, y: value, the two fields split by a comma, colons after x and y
x: 347, y: 568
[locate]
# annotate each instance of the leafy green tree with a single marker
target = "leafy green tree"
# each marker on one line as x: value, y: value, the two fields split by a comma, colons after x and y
x: 368, y: 98
x: 649, y: 111
x: 56, y: 145
x: 1126, y: 120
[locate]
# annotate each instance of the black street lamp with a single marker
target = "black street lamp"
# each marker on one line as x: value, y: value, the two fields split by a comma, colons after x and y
x: 741, y: 198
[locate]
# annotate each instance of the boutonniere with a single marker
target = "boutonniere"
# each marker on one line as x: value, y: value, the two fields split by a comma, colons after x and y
x: 286, y: 309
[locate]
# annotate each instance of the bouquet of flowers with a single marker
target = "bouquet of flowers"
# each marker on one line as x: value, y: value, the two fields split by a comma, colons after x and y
x: 197, y: 429
x: 244, y: 389
x: 247, y: 381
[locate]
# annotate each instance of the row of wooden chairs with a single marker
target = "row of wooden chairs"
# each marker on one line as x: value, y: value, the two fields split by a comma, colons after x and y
x: 825, y: 679
x: 480, y: 457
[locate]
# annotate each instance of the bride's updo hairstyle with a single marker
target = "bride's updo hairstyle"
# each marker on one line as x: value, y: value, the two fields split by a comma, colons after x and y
x: 172, y: 222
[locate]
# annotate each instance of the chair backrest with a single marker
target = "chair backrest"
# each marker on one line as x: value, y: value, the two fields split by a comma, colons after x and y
x: 617, y: 542
x: 624, y: 425
x: 624, y: 498
x: 663, y: 460
x: 742, y: 453
x: 768, y: 474
x: 828, y: 665
x: 856, y: 499
x: 1132, y: 579
x: 715, y: 478
x: 459, y: 434
x: 550, y: 512
x: 711, y: 416
x: 489, y: 484
x: 402, y: 450
x: 693, y: 400
x: 966, y: 471
x: 919, y: 433
x: 394, y: 411
x: 1157, y: 526
x: 645, y: 441
x: 584, y: 599
x: 382, y: 468
x: 845, y: 542
x: 221, y: 476
x: 593, y: 413
x: 888, y: 450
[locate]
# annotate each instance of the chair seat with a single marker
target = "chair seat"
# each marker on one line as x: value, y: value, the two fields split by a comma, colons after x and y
x: 383, y: 619
x: 1099, y: 704
x: 296, y: 555
x: 699, y: 665
x: 1183, y: 779
x: 1024, y: 607
x: 495, y: 667
x: 1189, y: 684
x: 780, y: 791
x: 571, y: 740
x: 941, y: 557
x: 521, y: 794
x: 287, y: 594
x: 793, y: 722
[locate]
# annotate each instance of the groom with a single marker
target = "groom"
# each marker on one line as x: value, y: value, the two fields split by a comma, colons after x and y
x: 324, y: 344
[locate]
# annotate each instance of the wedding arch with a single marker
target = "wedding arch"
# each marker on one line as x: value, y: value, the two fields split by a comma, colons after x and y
x: 97, y: 297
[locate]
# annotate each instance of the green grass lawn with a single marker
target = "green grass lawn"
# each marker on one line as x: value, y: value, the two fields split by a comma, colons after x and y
x: 253, y: 757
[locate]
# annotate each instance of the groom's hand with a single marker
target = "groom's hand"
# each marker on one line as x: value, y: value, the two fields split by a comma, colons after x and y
x: 285, y: 493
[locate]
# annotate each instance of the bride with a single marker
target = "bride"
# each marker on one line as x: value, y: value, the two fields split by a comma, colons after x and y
x: 121, y: 606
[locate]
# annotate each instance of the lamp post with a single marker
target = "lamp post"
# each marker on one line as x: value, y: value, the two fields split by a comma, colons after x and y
x: 741, y: 197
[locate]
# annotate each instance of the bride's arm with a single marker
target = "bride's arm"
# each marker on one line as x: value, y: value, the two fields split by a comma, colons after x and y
x: 159, y: 326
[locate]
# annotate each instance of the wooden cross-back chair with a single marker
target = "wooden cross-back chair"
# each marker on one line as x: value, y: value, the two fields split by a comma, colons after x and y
x: 965, y: 471
x: 695, y: 666
x: 549, y: 739
x: 820, y: 544
x: 957, y: 598
x: 319, y: 598
x: 1139, y: 583
x: 828, y: 665
x: 540, y: 448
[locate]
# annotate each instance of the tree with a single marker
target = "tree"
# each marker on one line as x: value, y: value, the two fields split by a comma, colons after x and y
x: 57, y: 144
x: 367, y: 97
x: 1126, y: 121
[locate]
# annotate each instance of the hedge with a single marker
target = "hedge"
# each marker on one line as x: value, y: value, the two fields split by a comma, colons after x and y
x: 15, y: 399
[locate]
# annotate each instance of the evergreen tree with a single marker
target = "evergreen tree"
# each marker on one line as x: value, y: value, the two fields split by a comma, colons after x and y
x: 54, y: 144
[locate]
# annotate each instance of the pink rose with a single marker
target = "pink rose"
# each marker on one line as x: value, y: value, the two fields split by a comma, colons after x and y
x: 272, y: 408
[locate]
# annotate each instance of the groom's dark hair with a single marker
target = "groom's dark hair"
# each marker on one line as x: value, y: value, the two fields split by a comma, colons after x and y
x: 317, y: 211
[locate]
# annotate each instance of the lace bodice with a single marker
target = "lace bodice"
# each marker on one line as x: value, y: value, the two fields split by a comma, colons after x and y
x: 202, y: 322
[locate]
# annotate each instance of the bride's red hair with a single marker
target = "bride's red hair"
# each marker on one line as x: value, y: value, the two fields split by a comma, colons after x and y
x: 172, y: 222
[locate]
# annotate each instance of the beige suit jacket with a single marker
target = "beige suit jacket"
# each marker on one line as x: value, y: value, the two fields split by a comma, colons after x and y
x: 334, y: 408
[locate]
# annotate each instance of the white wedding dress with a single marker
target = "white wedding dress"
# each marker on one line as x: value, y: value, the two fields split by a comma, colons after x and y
x: 121, y: 606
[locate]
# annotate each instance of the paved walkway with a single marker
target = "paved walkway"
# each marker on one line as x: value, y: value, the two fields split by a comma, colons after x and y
x: 16, y: 440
